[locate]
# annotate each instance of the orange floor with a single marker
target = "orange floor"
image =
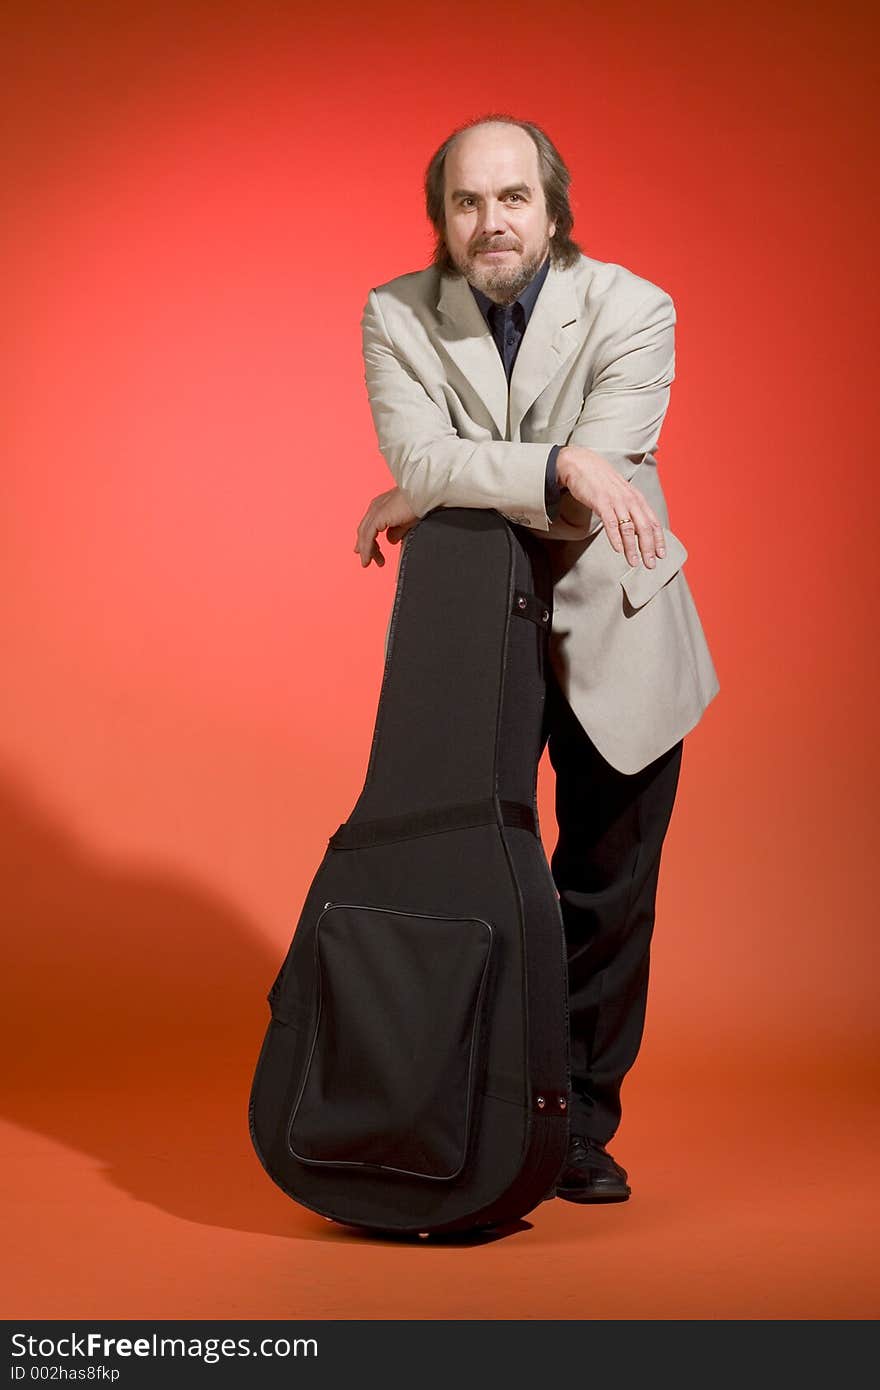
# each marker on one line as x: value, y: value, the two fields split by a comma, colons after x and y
x: 145, y: 1200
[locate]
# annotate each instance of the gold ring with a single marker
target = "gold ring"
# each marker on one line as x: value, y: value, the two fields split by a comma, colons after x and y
x: 625, y: 521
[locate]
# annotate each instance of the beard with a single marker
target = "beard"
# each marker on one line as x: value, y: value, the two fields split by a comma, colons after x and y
x: 502, y: 283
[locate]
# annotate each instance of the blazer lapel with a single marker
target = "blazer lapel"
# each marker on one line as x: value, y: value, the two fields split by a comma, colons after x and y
x: 553, y: 332
x: 555, y: 328
x: 465, y: 336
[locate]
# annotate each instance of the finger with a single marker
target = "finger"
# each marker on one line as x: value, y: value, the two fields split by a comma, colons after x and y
x: 612, y: 530
x: 649, y: 531
x: 641, y: 530
x: 362, y: 544
x: 627, y: 528
x: 367, y: 527
x: 639, y: 507
x: 644, y: 533
x: 366, y: 542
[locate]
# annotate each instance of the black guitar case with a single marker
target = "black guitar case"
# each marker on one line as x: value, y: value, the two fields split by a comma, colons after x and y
x: 414, y: 1073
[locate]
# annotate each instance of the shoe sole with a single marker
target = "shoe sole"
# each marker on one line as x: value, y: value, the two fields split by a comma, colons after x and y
x: 571, y: 1195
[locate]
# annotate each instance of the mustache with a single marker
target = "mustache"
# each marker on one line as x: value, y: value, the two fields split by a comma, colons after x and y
x: 494, y: 246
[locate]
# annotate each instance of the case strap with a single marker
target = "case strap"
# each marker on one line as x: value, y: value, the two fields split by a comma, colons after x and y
x: 386, y: 829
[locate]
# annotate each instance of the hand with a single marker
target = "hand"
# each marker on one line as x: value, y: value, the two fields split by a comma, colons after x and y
x: 631, y: 525
x: 390, y: 512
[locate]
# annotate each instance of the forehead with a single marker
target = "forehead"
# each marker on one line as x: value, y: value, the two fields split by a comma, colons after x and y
x: 491, y: 157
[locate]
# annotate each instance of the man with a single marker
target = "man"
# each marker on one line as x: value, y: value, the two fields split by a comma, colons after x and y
x: 517, y: 373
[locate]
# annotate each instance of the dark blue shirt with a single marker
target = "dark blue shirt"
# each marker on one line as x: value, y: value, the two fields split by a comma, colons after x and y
x: 508, y: 323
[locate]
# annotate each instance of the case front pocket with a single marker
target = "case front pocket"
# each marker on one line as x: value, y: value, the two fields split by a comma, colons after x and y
x: 391, y: 1073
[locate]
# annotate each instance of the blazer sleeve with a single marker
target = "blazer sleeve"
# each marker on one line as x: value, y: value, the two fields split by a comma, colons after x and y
x: 627, y: 400
x: 427, y: 457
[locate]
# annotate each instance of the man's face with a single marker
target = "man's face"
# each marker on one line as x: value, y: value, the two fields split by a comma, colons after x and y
x: 497, y: 229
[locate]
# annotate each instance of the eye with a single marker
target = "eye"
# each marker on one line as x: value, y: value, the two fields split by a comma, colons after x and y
x: 515, y: 195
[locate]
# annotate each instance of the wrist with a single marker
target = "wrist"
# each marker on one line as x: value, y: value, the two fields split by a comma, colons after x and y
x: 564, y: 462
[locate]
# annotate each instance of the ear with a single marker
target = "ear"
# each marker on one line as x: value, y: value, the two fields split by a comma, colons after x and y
x: 552, y: 229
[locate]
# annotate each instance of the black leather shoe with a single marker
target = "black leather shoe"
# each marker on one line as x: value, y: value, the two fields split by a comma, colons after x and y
x: 590, y: 1174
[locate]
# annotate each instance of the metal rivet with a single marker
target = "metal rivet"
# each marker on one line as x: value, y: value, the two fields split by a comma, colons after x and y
x: 541, y: 1102
x: 545, y: 615
x: 521, y: 603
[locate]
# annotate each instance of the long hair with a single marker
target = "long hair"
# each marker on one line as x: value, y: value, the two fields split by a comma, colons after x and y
x: 555, y: 181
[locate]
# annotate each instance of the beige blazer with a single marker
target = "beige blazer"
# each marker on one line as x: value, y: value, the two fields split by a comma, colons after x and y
x: 594, y: 368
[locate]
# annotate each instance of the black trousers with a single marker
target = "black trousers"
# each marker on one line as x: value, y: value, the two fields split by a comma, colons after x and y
x: 605, y: 866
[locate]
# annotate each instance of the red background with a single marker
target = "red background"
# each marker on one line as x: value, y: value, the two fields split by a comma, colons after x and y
x: 199, y: 197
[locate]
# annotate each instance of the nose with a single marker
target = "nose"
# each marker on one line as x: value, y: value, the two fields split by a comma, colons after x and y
x: 492, y: 220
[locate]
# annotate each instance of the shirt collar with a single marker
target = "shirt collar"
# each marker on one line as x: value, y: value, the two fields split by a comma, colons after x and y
x: 526, y: 299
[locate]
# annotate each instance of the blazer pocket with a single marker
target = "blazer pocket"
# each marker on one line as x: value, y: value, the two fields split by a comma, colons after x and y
x: 641, y: 584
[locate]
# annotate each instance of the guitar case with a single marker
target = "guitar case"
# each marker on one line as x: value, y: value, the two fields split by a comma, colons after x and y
x: 414, y: 1074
